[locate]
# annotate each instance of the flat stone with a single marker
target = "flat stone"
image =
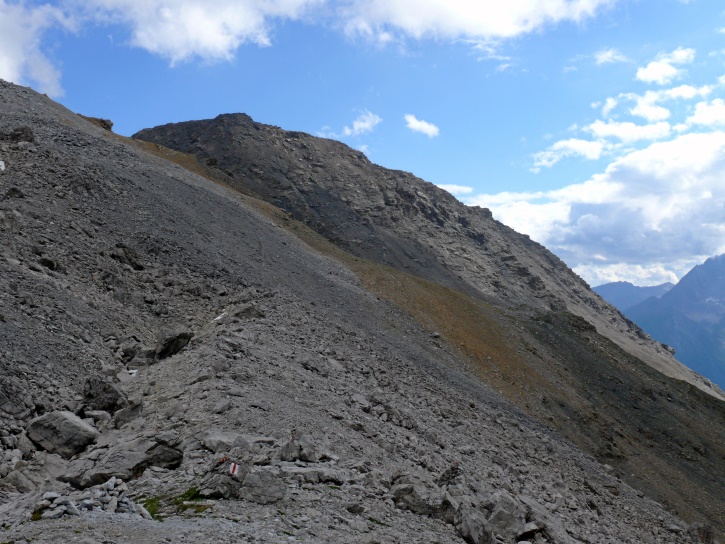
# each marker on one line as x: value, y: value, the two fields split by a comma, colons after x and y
x: 61, y: 432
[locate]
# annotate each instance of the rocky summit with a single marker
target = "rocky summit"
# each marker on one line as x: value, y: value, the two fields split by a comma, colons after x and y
x: 186, y: 356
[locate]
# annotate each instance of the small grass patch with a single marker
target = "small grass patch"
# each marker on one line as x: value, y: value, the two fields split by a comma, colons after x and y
x: 378, y: 522
x: 152, y: 506
x: 191, y: 494
x: 37, y: 516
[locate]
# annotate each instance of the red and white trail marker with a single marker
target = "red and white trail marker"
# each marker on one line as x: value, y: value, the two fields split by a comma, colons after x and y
x: 234, y: 469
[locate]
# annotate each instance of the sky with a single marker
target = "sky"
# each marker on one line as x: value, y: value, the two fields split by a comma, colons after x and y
x: 597, y: 127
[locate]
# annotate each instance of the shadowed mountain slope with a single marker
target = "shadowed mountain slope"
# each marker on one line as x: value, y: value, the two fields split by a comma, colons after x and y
x: 174, y: 349
x: 394, y: 218
x: 480, y: 293
x: 691, y: 319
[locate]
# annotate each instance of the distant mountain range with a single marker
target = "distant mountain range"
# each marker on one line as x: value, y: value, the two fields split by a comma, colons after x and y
x: 690, y: 316
x: 624, y: 295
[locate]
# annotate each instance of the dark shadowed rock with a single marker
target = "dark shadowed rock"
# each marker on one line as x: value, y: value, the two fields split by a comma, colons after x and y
x: 100, y: 394
x: 171, y: 343
x: 125, y: 255
x: 15, y: 400
x: 19, y: 134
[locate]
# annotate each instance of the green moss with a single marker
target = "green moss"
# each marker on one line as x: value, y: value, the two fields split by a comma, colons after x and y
x: 37, y: 516
x: 152, y: 506
x: 191, y: 494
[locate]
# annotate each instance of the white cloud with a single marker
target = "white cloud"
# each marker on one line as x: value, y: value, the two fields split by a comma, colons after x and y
x: 642, y: 275
x: 567, y: 148
x: 213, y: 30
x: 21, y: 31
x: 648, y: 105
x: 424, y: 127
x: 662, y: 70
x: 456, y: 189
x: 628, y: 132
x: 462, y: 19
x: 609, y: 56
x: 365, y: 123
x: 181, y: 30
x: 661, y: 204
x: 708, y: 113
x: 609, y: 105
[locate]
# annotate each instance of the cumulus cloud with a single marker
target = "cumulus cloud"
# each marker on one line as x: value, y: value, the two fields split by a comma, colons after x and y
x: 628, y: 132
x: 418, y: 125
x: 661, y: 204
x: 211, y: 30
x: 21, y: 57
x: 649, y: 105
x: 708, y: 113
x: 663, y: 69
x: 365, y: 123
x: 456, y: 189
x: 609, y: 56
x: 461, y: 19
x: 567, y: 148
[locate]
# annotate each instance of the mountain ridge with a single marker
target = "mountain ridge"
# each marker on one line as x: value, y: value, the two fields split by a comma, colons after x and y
x: 193, y: 331
x: 623, y: 295
x: 691, y: 318
x: 395, y: 218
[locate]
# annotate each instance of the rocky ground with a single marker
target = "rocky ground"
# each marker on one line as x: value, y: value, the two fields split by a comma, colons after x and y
x: 175, y: 367
x: 394, y: 218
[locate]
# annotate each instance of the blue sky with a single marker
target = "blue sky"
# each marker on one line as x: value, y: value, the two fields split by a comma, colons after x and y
x: 595, y: 126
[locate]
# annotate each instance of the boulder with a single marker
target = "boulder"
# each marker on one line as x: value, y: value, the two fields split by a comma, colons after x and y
x: 412, y: 493
x: 61, y: 432
x: 508, y: 518
x: 219, y: 441
x: 128, y: 414
x: 224, y: 479
x: 263, y: 488
x: 125, y: 460
x: 472, y: 525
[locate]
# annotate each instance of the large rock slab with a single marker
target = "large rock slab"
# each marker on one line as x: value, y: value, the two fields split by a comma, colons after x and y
x: 263, y: 487
x: 126, y: 459
x: 62, y: 432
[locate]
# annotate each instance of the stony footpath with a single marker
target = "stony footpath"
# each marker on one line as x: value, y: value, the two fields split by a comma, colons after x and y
x: 174, y: 367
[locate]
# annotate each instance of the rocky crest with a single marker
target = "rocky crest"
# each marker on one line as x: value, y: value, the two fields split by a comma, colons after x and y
x: 214, y: 364
x: 397, y: 219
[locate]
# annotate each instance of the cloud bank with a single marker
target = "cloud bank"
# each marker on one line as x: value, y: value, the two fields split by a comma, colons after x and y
x: 214, y: 30
x: 652, y: 214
